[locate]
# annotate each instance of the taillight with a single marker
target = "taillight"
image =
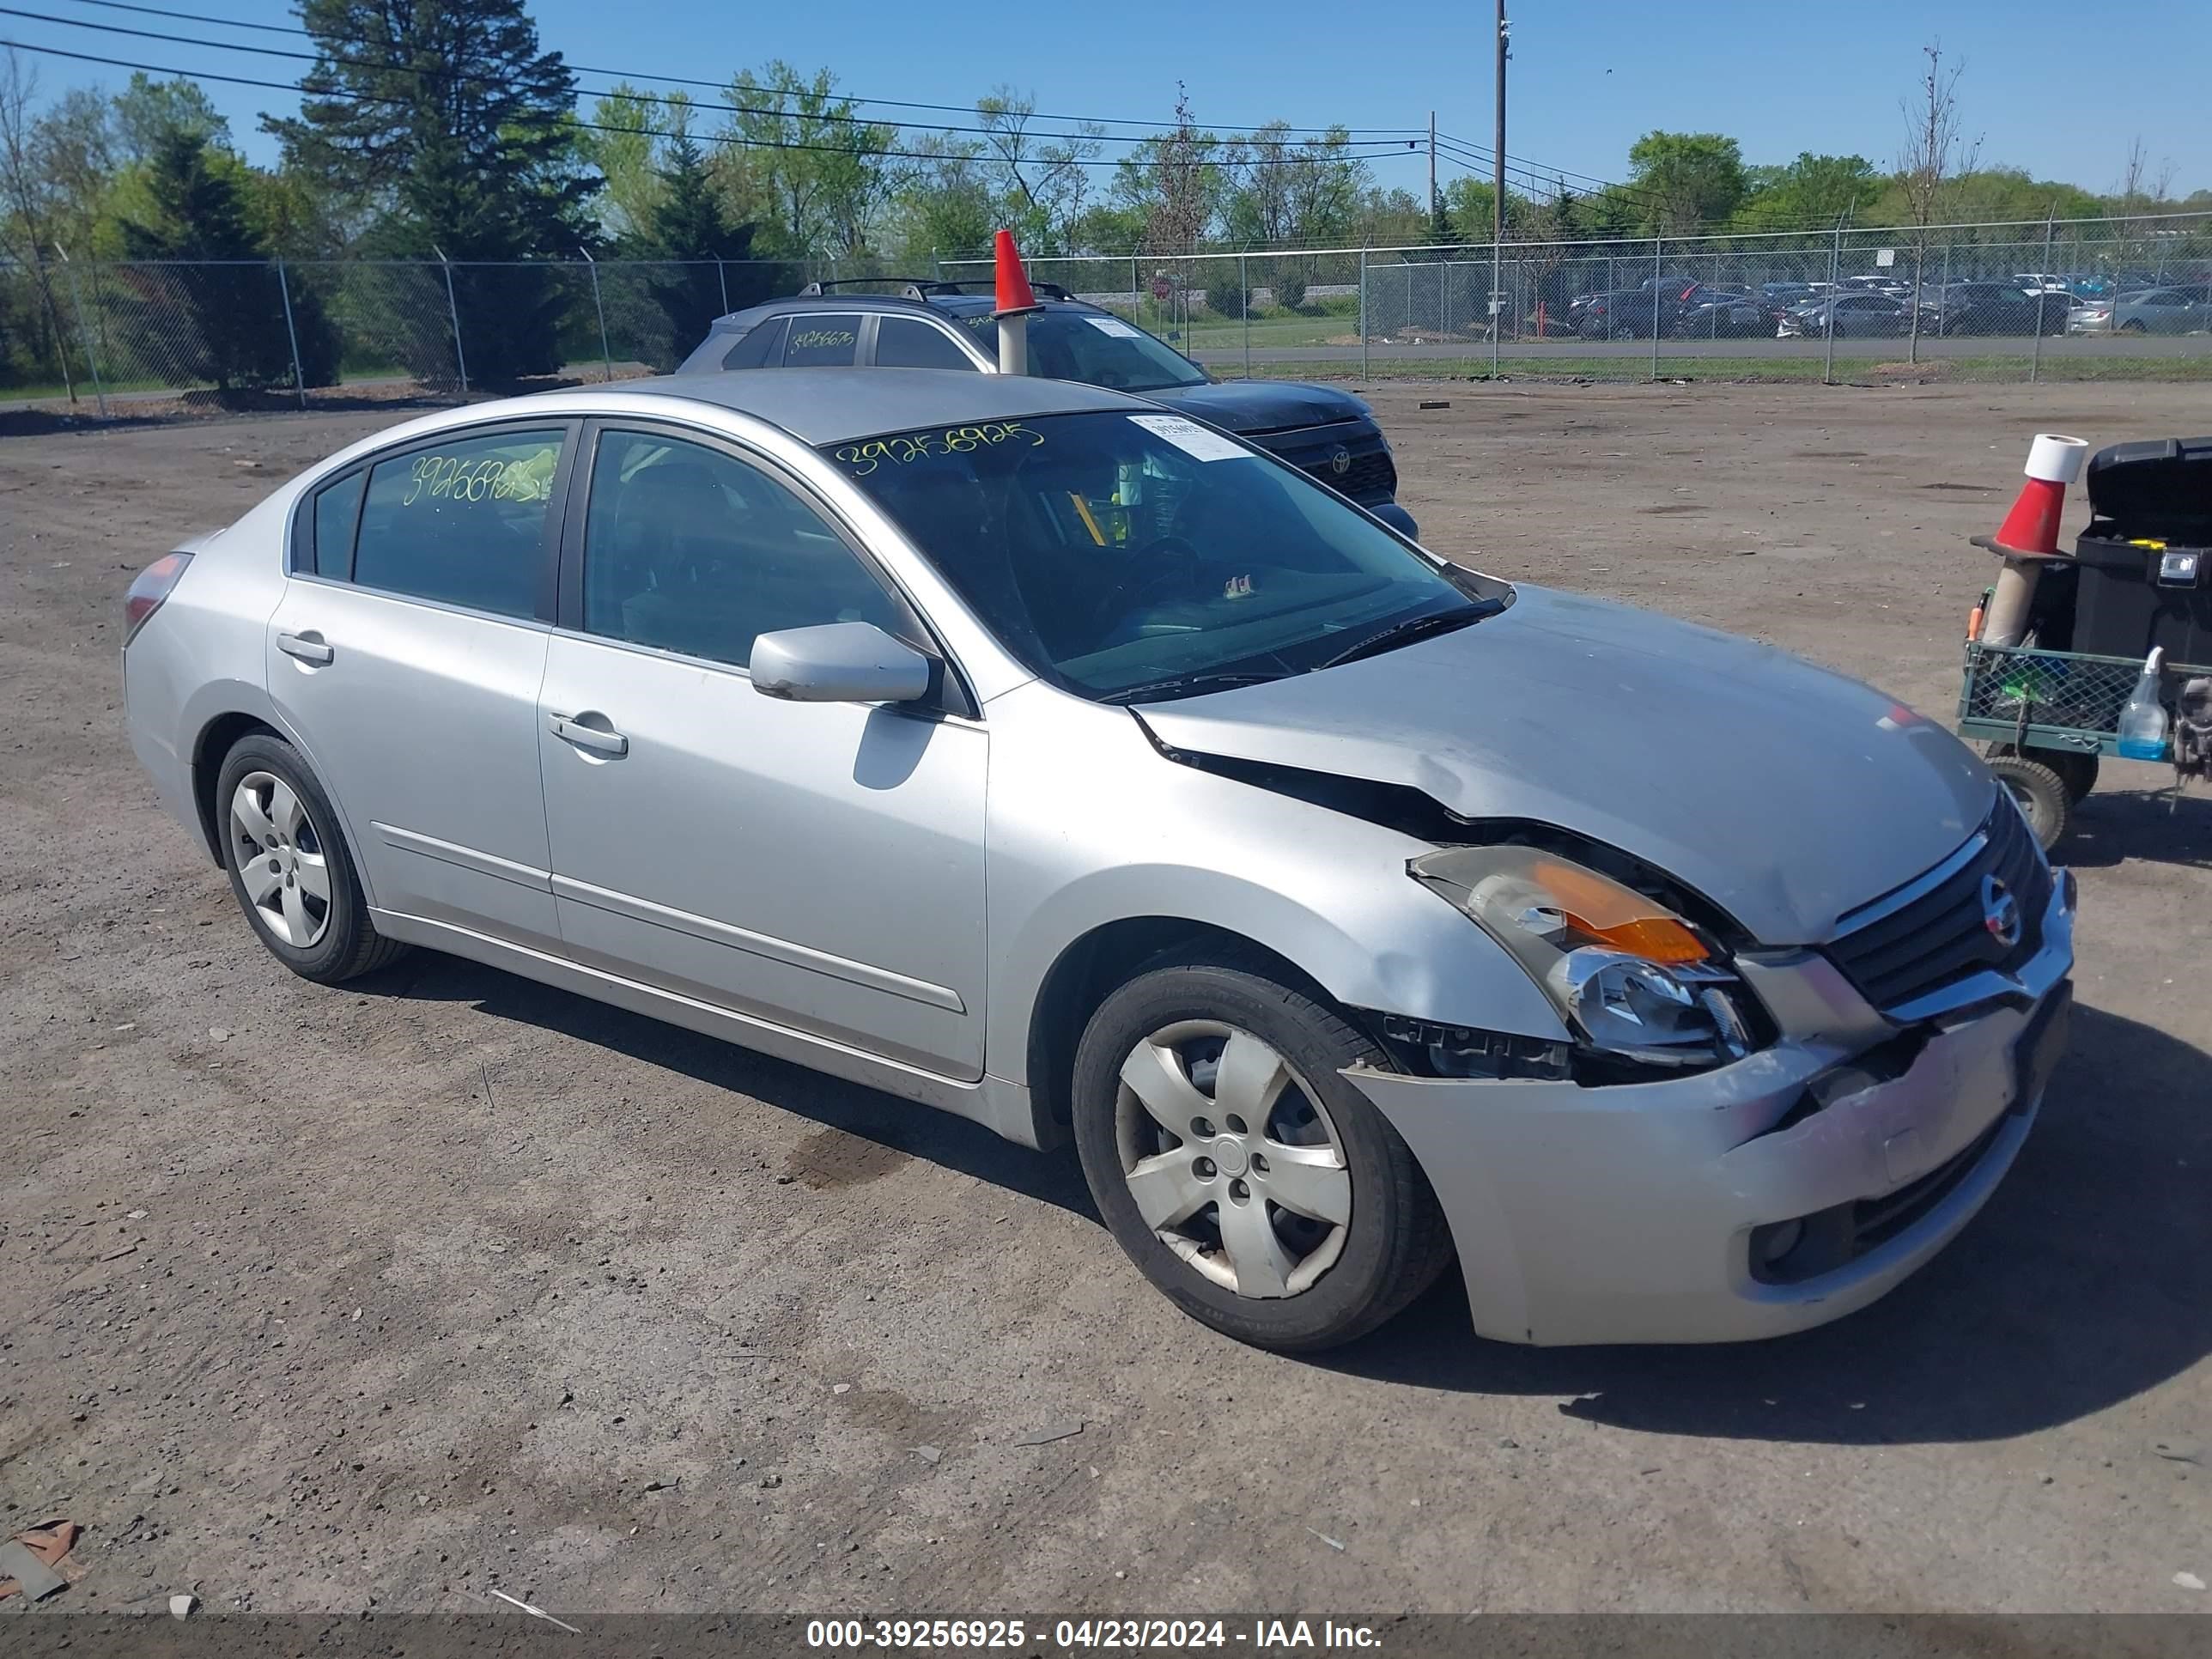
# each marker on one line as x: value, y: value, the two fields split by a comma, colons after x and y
x: 150, y: 587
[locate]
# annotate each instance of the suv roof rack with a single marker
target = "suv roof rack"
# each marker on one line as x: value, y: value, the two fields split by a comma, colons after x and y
x: 921, y: 287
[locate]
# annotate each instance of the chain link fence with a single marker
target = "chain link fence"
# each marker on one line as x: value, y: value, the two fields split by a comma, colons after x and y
x: 2099, y: 299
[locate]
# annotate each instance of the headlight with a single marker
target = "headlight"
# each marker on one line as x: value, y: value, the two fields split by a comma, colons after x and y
x: 1630, y: 977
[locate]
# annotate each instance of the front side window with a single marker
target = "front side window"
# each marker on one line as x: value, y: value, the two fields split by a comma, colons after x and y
x: 1097, y: 348
x: 1116, y: 553
x: 822, y: 339
x: 690, y: 550
x: 463, y: 523
x: 902, y: 342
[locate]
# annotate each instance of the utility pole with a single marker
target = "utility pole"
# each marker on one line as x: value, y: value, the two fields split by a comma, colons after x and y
x: 1497, y: 152
x: 1432, y: 168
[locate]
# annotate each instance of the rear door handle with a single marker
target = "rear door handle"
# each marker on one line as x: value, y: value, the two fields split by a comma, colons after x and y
x: 587, y: 737
x: 308, y: 647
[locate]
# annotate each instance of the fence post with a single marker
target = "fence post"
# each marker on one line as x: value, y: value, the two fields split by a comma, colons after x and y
x: 299, y: 374
x: 453, y: 315
x: 91, y: 357
x: 1362, y: 312
x: 1658, y: 244
x: 1244, y: 288
x: 2042, y: 298
x: 1835, y: 271
x: 722, y: 282
x: 1497, y: 307
x: 1136, y: 305
x: 606, y: 352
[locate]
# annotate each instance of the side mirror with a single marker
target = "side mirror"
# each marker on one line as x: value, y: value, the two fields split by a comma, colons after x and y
x: 838, y: 662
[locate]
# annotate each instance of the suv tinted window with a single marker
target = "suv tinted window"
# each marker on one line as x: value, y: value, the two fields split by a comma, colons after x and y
x: 902, y: 342
x: 825, y: 340
x: 687, y: 549
x: 463, y: 523
x: 758, y: 347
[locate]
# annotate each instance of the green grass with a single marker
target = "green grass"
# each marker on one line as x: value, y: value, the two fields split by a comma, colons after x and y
x: 1849, y: 371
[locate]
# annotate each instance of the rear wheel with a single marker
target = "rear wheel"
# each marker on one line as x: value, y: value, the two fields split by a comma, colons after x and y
x: 1247, y: 1180
x: 2041, y: 793
x: 290, y: 867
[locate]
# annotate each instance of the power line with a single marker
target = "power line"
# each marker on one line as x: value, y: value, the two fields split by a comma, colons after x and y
x: 574, y: 121
x: 1364, y: 145
x: 1158, y: 128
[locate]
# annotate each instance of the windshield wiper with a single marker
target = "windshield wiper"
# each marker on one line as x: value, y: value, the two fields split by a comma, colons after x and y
x: 1186, y: 685
x: 1412, y: 628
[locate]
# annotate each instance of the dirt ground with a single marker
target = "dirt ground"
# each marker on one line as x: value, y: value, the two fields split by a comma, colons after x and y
x: 316, y: 1300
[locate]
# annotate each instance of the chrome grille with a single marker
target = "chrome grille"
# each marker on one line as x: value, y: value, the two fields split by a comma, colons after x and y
x: 1932, y: 933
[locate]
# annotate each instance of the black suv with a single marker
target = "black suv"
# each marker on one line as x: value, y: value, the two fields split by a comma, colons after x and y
x: 929, y: 325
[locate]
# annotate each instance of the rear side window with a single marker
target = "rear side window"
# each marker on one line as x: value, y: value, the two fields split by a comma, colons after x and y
x: 902, y: 342
x: 823, y: 341
x: 463, y: 524
x: 336, y: 510
x: 758, y: 347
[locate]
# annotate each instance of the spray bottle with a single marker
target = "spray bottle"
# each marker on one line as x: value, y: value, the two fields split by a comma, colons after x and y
x: 2142, y: 721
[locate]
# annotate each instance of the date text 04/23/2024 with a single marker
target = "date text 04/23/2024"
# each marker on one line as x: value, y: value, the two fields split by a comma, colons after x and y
x: 1257, y: 1635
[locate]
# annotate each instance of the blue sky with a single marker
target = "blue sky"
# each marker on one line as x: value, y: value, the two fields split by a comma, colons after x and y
x: 1587, y: 77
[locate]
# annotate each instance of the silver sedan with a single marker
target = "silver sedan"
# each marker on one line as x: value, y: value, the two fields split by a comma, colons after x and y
x: 1037, y: 754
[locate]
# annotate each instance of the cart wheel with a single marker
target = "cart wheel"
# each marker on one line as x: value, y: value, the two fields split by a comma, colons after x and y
x: 2043, y: 796
x: 2076, y: 770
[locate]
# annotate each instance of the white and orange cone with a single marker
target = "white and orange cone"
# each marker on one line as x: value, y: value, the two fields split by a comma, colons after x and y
x: 2029, y: 534
x: 1016, y: 300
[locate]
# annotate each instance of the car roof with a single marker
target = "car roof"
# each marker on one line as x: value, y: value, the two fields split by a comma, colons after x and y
x: 892, y: 304
x: 829, y: 405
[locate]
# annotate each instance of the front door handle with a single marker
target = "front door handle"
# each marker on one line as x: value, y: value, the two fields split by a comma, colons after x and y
x: 308, y: 647
x: 587, y: 737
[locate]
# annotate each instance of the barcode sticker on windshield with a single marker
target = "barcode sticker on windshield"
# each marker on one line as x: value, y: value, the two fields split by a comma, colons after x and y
x: 1198, y: 442
x: 1113, y: 326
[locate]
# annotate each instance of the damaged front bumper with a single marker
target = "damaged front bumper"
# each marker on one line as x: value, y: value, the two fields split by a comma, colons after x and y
x: 1764, y: 1197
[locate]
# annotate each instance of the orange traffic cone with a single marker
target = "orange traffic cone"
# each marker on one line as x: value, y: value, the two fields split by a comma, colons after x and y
x: 1016, y: 300
x: 1014, y: 282
x: 2029, y: 534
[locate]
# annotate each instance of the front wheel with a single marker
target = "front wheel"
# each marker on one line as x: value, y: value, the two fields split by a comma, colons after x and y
x: 1247, y: 1179
x: 2042, y: 795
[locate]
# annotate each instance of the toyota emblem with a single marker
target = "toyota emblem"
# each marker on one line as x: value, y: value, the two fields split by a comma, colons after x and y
x: 2000, y: 912
x: 1341, y: 463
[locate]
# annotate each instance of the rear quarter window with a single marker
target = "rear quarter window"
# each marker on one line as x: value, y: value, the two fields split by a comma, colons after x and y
x: 824, y: 341
x: 758, y: 347
x: 338, y: 509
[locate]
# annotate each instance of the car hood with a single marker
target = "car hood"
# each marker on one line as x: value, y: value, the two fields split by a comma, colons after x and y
x: 1786, y: 794
x: 1249, y: 406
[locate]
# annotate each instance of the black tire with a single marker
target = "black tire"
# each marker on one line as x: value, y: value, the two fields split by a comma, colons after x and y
x: 1396, y: 1242
x: 2076, y: 770
x: 2042, y: 795
x: 348, y: 945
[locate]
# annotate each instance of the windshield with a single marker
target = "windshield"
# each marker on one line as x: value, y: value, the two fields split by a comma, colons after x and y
x: 1096, y: 349
x: 1135, y: 555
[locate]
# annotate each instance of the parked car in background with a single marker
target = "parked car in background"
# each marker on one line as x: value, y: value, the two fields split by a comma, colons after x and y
x: 1033, y: 753
x: 1722, y: 316
x: 2151, y: 311
x: 1850, y: 316
x: 1321, y: 430
x: 1993, y: 308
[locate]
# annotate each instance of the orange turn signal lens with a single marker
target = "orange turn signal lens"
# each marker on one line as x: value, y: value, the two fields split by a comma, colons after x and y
x: 1613, y: 915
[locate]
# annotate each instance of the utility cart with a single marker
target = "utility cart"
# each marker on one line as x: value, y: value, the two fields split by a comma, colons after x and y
x: 2046, y: 718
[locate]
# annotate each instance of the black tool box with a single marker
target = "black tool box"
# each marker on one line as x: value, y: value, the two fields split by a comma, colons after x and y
x: 2145, y: 562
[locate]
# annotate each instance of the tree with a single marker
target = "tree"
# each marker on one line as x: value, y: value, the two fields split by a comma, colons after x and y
x: 1687, y: 181
x: 1812, y: 191
x: 800, y: 163
x: 1042, y: 184
x: 624, y: 143
x: 478, y: 163
x: 944, y: 204
x: 687, y: 228
x: 148, y: 111
x: 1935, y: 149
x: 194, y: 212
x: 26, y: 223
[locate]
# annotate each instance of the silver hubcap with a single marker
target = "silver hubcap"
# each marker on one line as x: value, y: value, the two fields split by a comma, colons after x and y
x: 1232, y: 1159
x: 279, y: 858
